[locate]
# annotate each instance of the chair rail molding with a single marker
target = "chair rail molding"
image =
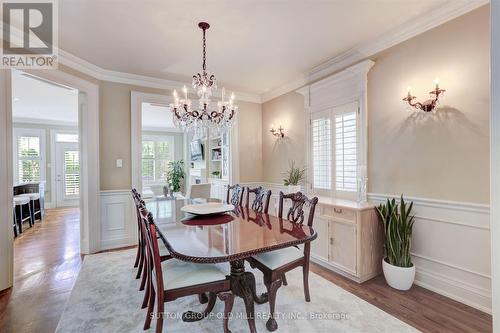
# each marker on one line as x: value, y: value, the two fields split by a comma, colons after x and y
x: 118, y: 227
x: 451, y: 248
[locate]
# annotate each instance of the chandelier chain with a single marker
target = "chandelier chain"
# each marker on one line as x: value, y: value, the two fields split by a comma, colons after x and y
x: 204, y: 51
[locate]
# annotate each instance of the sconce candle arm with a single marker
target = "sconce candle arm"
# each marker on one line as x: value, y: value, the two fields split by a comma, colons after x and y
x: 428, y: 105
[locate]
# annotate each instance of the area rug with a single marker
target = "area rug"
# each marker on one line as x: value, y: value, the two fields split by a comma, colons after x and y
x: 106, y: 298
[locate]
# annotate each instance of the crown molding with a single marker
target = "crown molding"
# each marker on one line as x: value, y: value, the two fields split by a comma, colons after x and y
x: 401, y: 33
x: 102, y: 74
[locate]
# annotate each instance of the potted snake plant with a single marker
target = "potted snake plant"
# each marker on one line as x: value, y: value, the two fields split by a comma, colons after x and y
x: 293, y: 177
x: 399, y: 271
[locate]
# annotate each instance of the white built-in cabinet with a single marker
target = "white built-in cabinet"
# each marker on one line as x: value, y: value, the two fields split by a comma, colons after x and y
x: 350, y: 239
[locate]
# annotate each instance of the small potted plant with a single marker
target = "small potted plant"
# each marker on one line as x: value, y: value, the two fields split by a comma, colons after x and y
x: 399, y: 271
x: 216, y: 174
x: 293, y: 176
x: 175, y: 176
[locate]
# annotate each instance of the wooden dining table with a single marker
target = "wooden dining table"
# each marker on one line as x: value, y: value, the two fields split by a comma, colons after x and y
x: 231, y: 237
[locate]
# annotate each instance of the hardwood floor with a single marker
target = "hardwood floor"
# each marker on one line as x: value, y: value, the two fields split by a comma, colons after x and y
x: 419, y: 307
x: 47, y: 262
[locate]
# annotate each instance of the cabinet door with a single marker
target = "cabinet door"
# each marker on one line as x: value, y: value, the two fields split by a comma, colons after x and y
x: 343, y: 246
x: 319, y: 246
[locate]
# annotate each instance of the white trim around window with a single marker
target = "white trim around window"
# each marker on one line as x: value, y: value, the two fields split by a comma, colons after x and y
x: 29, y: 132
x: 339, y: 94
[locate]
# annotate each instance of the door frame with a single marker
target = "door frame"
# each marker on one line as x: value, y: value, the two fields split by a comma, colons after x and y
x: 89, y: 149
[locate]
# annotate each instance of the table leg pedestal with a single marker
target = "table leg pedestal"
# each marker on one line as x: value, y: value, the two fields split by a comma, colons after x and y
x: 243, y: 285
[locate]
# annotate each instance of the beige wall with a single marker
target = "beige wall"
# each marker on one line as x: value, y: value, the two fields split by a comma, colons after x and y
x: 114, y: 133
x: 250, y: 141
x: 443, y: 155
x: 287, y: 110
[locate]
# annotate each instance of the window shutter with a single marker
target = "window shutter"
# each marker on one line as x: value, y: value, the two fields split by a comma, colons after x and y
x: 71, y: 172
x: 346, y: 151
x: 321, y: 153
x: 28, y: 150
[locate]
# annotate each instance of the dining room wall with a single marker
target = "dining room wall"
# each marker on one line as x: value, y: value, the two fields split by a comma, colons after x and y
x: 438, y: 160
x: 406, y: 149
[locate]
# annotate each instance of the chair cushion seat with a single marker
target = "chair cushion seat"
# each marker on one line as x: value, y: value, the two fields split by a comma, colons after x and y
x: 278, y: 258
x: 32, y: 196
x: 179, y: 274
x: 21, y: 200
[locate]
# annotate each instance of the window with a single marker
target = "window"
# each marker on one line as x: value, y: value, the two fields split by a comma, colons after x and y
x: 321, y: 153
x: 28, y: 155
x: 157, y: 152
x: 334, y: 150
x: 71, y: 172
x: 345, y: 151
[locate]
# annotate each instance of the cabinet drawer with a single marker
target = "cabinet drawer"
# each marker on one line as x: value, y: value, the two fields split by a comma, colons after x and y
x: 339, y: 213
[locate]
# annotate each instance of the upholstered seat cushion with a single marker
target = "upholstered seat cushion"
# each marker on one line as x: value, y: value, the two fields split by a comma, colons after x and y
x: 31, y: 196
x: 179, y: 274
x: 21, y: 200
x: 278, y: 258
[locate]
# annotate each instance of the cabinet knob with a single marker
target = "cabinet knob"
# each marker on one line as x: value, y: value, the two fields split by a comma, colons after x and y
x: 331, y: 240
x: 337, y: 210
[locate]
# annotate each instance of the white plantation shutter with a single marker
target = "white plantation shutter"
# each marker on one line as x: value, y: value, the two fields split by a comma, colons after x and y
x: 346, y: 151
x: 157, y: 153
x: 321, y: 153
x: 334, y: 151
x: 71, y: 172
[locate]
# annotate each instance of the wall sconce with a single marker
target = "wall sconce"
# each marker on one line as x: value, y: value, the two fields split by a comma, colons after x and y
x: 429, y: 104
x: 279, y: 133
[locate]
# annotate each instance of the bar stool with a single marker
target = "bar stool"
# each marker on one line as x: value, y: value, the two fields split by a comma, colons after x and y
x: 23, y: 206
x: 36, y: 208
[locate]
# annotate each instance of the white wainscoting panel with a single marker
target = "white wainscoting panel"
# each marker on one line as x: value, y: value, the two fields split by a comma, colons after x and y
x: 118, y: 225
x: 451, y: 249
x: 451, y: 246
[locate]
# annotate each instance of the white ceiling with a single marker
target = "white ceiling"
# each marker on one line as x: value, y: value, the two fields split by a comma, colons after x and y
x: 36, y: 101
x: 252, y: 46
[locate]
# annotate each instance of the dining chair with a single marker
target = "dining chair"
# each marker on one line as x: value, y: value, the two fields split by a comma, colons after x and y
x: 236, y: 198
x: 199, y: 191
x: 275, y: 264
x: 175, y: 278
x: 260, y: 203
x: 140, y: 259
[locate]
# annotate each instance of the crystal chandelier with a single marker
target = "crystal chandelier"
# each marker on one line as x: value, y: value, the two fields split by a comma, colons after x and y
x: 203, y: 117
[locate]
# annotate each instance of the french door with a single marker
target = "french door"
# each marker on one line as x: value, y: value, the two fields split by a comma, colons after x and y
x: 67, y: 174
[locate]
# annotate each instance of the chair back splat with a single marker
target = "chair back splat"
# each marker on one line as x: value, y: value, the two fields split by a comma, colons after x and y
x: 236, y: 198
x: 296, y: 211
x: 261, y: 202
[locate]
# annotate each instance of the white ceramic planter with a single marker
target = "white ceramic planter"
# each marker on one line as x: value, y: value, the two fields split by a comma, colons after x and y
x: 398, y: 277
x: 292, y: 188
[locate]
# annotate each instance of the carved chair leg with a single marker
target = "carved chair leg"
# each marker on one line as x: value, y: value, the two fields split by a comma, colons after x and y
x: 305, y: 277
x: 272, y: 289
x: 191, y: 316
x: 250, y: 279
x: 202, y: 298
x: 228, y: 299
x: 161, y: 307
x: 150, y: 312
x: 285, y: 282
